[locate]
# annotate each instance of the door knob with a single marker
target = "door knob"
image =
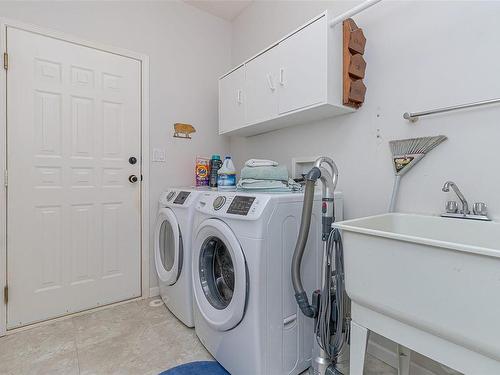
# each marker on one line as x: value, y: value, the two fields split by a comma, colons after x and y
x: 133, y: 178
x: 132, y: 160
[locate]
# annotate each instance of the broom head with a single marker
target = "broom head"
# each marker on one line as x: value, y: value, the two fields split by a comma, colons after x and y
x: 408, y: 152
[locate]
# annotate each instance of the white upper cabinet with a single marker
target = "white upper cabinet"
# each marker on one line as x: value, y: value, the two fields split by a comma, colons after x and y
x: 302, y: 68
x: 261, y: 87
x: 296, y: 80
x: 232, y: 101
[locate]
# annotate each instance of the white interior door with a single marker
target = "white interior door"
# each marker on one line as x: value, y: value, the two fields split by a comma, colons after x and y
x: 73, y: 217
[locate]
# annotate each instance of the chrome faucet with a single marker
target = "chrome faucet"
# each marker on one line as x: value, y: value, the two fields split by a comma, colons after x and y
x: 480, y: 211
x: 465, y: 205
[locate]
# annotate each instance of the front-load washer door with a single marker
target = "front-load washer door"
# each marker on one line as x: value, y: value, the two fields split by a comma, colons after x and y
x: 219, y: 275
x: 168, y: 247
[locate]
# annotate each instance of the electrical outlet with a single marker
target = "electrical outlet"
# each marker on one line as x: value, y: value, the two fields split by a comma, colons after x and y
x: 159, y: 155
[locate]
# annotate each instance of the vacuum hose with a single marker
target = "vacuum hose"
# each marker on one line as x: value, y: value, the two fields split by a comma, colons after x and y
x: 328, y: 309
x: 305, y: 223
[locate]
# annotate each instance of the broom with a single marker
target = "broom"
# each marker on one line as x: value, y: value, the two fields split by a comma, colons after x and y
x: 405, y: 154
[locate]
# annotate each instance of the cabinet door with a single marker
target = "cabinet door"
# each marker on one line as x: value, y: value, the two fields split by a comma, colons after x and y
x: 232, y: 101
x: 261, y: 87
x: 302, y: 73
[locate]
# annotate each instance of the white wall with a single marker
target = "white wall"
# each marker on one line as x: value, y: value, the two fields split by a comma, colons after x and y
x: 420, y: 55
x: 188, y: 50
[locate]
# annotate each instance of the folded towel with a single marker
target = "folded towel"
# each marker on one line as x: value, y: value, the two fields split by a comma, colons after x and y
x: 265, y: 173
x: 260, y: 163
x: 268, y: 185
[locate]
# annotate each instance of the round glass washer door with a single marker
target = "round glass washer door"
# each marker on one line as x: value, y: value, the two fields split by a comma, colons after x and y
x: 219, y: 275
x: 168, y: 247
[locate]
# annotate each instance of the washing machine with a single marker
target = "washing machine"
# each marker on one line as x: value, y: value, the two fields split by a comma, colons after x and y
x: 172, y: 248
x: 245, y: 310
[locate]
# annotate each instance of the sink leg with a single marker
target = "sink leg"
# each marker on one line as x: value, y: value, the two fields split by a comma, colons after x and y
x: 359, y: 339
x: 404, y: 355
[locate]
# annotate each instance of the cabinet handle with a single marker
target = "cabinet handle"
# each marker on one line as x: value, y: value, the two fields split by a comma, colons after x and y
x: 240, y: 100
x: 270, y: 81
x: 282, y: 76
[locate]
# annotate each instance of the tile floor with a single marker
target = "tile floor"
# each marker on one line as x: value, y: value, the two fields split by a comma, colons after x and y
x: 134, y: 338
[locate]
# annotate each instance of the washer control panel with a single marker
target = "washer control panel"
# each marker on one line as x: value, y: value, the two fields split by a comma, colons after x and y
x: 235, y: 205
x: 240, y: 205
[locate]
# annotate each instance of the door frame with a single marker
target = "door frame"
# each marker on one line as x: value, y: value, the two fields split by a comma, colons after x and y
x: 145, y: 219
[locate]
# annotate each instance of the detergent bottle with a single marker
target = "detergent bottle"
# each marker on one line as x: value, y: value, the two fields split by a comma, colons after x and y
x: 215, y: 164
x: 226, y: 175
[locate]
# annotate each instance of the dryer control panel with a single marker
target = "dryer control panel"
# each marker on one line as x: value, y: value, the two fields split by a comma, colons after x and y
x: 175, y: 197
x: 181, y: 197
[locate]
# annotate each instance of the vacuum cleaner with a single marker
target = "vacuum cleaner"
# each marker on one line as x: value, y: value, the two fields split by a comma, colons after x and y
x: 328, y: 305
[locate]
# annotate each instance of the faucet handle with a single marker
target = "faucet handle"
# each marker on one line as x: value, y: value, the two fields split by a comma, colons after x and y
x: 480, y: 208
x: 451, y: 207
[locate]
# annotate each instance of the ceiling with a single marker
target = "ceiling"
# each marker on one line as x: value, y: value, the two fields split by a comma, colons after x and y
x: 226, y: 9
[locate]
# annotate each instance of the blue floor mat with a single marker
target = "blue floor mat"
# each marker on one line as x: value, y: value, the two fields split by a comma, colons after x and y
x: 197, y: 368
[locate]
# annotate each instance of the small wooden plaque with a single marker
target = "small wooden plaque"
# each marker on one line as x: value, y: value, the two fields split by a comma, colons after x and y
x: 183, y: 130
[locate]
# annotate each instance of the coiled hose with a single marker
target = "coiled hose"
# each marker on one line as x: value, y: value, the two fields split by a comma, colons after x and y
x: 334, y: 281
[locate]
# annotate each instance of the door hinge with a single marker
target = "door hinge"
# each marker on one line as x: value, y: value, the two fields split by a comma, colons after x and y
x: 6, y: 178
x: 5, y: 60
x: 6, y: 294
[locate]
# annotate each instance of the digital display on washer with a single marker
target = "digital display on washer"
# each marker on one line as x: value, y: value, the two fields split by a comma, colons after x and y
x: 181, y: 197
x: 240, y: 205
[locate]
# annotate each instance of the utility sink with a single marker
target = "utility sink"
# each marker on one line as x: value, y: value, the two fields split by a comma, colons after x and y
x: 429, y: 283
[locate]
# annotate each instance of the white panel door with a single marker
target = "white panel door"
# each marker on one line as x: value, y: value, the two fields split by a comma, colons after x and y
x: 74, y: 119
x: 302, y: 67
x: 232, y: 101
x: 261, y: 87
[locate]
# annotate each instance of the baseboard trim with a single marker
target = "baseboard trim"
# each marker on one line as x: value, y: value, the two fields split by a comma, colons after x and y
x: 154, y: 291
x: 388, y: 356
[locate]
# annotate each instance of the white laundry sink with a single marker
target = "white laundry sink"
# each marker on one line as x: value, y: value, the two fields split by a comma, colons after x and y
x: 432, y: 283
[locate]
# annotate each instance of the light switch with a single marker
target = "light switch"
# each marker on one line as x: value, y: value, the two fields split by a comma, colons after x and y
x: 159, y: 155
